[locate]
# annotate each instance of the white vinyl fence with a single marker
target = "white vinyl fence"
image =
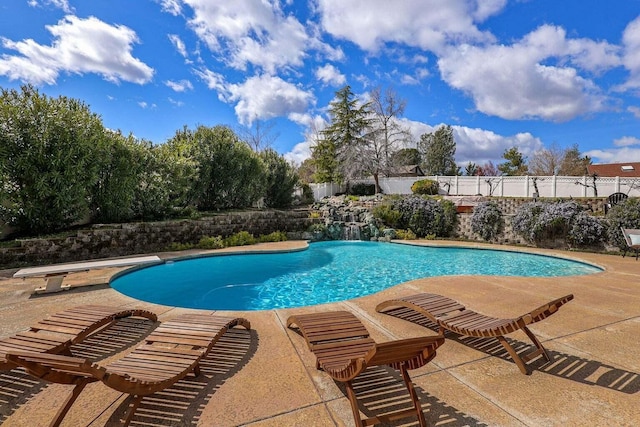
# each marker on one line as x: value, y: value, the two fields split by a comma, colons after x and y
x: 503, y: 186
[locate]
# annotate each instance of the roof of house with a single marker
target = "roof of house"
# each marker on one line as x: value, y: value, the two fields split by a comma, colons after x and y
x: 629, y: 169
x: 407, y: 170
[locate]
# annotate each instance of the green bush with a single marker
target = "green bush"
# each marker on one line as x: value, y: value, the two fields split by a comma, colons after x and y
x: 362, y: 189
x: 425, y: 186
x: 307, y: 194
x: 276, y: 236
x: 241, y: 238
x: 211, y: 243
x: 405, y: 235
x: 176, y: 246
x: 387, y: 214
x: 626, y: 215
x: 425, y: 216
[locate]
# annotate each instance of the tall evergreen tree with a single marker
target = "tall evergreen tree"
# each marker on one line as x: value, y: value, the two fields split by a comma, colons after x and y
x: 438, y: 151
x: 345, y: 135
x: 515, y: 164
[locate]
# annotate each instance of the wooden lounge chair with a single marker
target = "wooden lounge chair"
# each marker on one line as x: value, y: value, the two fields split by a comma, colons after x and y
x: 344, y: 349
x: 632, y: 237
x: 167, y: 355
x: 58, y: 332
x: 450, y: 315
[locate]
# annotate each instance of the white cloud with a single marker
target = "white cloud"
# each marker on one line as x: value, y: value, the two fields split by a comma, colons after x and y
x: 428, y: 24
x: 635, y: 111
x: 631, y: 59
x: 626, y: 141
x: 520, y: 81
x: 175, y: 102
x: 250, y: 32
x: 299, y: 153
x: 179, y: 86
x: 177, y: 42
x: 80, y: 46
x: 330, y: 75
x: 260, y: 97
x: 60, y: 4
x: 478, y: 145
x: 615, y: 155
x: 174, y: 7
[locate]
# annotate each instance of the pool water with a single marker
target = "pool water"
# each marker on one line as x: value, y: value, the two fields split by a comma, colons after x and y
x: 326, y: 272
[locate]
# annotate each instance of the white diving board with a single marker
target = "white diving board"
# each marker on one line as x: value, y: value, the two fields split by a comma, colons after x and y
x: 55, y: 274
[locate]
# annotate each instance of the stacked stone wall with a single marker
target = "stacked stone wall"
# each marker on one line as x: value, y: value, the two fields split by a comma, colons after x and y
x: 111, y: 240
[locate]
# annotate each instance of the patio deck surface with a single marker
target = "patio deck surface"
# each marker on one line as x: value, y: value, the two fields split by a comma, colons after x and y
x: 594, y: 378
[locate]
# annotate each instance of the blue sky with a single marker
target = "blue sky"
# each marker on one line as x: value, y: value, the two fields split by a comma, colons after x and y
x: 503, y: 73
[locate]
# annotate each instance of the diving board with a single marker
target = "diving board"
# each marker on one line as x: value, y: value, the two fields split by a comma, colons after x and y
x: 55, y: 274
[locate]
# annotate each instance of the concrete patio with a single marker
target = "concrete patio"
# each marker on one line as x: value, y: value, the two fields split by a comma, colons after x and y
x: 594, y: 341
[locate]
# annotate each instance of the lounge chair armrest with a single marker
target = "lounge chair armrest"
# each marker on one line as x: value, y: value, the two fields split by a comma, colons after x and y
x: 346, y: 371
x: 412, y: 352
x: 56, y: 368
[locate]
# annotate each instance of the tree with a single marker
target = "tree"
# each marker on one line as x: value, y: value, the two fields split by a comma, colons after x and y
x: 229, y: 174
x: 573, y: 164
x: 488, y: 169
x: 118, y: 176
x: 406, y: 157
x: 472, y: 169
x: 345, y: 135
x: 306, y: 171
x: 547, y: 161
x: 515, y: 164
x: 280, y: 181
x: 384, y: 133
x: 47, y: 159
x: 438, y: 150
x: 258, y: 135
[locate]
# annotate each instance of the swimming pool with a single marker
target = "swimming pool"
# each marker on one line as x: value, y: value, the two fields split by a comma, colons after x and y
x: 326, y: 272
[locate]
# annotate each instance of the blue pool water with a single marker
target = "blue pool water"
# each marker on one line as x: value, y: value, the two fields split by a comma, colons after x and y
x: 326, y: 272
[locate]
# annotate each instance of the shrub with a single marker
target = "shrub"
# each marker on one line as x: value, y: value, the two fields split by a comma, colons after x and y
x: 387, y: 214
x: 405, y: 235
x: 538, y: 222
x: 487, y: 221
x: 425, y: 186
x: 586, y: 230
x: 307, y: 194
x: 425, y: 216
x: 176, y: 246
x: 241, y: 238
x: 626, y: 215
x: 211, y: 243
x: 276, y: 236
x: 362, y: 189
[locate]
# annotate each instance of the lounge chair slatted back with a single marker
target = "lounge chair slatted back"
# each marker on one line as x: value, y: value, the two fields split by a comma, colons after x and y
x: 627, y: 233
x: 452, y: 316
x: 344, y: 349
x: 57, y: 333
x: 167, y: 355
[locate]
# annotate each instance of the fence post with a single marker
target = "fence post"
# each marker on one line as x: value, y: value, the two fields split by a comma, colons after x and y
x: 554, y: 183
x: 526, y: 186
x: 617, y: 186
x: 477, y: 184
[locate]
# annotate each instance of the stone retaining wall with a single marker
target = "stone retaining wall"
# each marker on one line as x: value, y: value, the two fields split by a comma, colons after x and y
x: 110, y: 240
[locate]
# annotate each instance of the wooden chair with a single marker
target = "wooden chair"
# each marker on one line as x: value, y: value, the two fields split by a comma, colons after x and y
x: 57, y: 333
x: 632, y: 237
x: 166, y: 356
x: 450, y: 315
x: 344, y: 349
x: 614, y: 199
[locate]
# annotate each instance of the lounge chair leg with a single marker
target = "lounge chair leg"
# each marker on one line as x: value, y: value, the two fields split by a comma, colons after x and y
x: 351, y: 394
x: 514, y: 355
x: 70, y: 401
x: 134, y: 406
x: 414, y: 396
x: 537, y: 343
